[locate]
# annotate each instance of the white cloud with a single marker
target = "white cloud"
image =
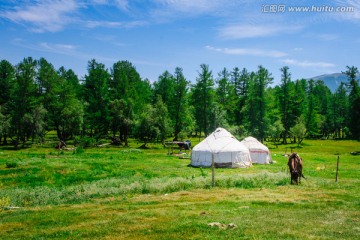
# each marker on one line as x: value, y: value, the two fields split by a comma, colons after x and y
x: 307, y: 64
x: 350, y: 10
x: 65, y: 49
x: 100, y: 2
x: 109, y: 24
x: 298, y: 49
x: 253, y: 31
x: 166, y: 10
x: 192, y: 6
x: 53, y: 16
x: 248, y: 51
x: 56, y: 48
x: 65, y: 46
x: 61, y: 48
x: 328, y: 37
x: 44, y: 16
x: 121, y: 4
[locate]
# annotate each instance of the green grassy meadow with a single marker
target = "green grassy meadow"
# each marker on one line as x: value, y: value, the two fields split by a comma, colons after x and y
x: 127, y: 193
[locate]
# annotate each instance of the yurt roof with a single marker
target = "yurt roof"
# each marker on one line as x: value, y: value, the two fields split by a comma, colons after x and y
x: 253, y: 144
x: 220, y: 141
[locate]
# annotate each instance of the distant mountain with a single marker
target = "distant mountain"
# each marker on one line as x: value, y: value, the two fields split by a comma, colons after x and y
x: 332, y: 80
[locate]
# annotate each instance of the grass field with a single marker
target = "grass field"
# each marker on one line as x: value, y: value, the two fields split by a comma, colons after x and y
x: 127, y: 193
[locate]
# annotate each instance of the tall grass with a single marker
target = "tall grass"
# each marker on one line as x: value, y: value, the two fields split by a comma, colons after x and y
x: 44, y: 195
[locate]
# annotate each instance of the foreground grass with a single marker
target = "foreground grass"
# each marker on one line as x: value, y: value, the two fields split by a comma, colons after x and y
x: 116, y: 193
x: 282, y: 213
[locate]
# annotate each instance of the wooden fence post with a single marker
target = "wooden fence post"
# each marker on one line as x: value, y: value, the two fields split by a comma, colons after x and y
x: 337, y: 169
x: 212, y: 170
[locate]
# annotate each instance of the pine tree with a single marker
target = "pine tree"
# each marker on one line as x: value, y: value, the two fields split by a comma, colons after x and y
x: 70, y: 120
x: 285, y: 98
x: 165, y: 88
x: 23, y: 99
x: 340, y: 105
x: 225, y: 95
x: 203, y: 98
x: 256, y: 108
x: 135, y: 93
x: 323, y: 101
x: 240, y: 81
x: 180, y: 103
x: 354, y: 101
x: 7, y: 79
x: 96, y: 95
x: 48, y: 87
x: 313, y: 120
x: 162, y: 120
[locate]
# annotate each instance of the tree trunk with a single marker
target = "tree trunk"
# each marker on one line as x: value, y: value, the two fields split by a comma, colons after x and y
x: 5, y: 139
x: 126, y: 137
x: 284, y: 138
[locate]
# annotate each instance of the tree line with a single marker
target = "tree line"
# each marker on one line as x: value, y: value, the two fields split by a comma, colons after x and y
x: 36, y: 98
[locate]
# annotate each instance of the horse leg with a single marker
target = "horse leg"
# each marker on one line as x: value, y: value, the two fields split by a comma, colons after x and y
x: 295, y: 178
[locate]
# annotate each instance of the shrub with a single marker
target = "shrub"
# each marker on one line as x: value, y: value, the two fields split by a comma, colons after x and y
x: 79, y: 150
x: 84, y: 142
x: 11, y: 164
x: 4, y: 202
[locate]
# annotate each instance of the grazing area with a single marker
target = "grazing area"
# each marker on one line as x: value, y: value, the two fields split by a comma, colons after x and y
x: 179, y: 120
x: 112, y: 192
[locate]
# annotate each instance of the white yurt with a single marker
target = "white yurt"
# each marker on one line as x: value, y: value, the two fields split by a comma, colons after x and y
x: 227, y: 150
x: 259, y: 152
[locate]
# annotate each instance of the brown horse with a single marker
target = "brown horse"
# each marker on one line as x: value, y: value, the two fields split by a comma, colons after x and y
x: 295, y: 166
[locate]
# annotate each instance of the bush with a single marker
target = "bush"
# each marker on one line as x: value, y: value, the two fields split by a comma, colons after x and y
x: 4, y: 202
x: 79, y: 150
x: 11, y: 164
x: 84, y: 142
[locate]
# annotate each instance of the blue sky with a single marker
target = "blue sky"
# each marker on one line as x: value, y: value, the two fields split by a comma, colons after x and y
x: 157, y: 35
